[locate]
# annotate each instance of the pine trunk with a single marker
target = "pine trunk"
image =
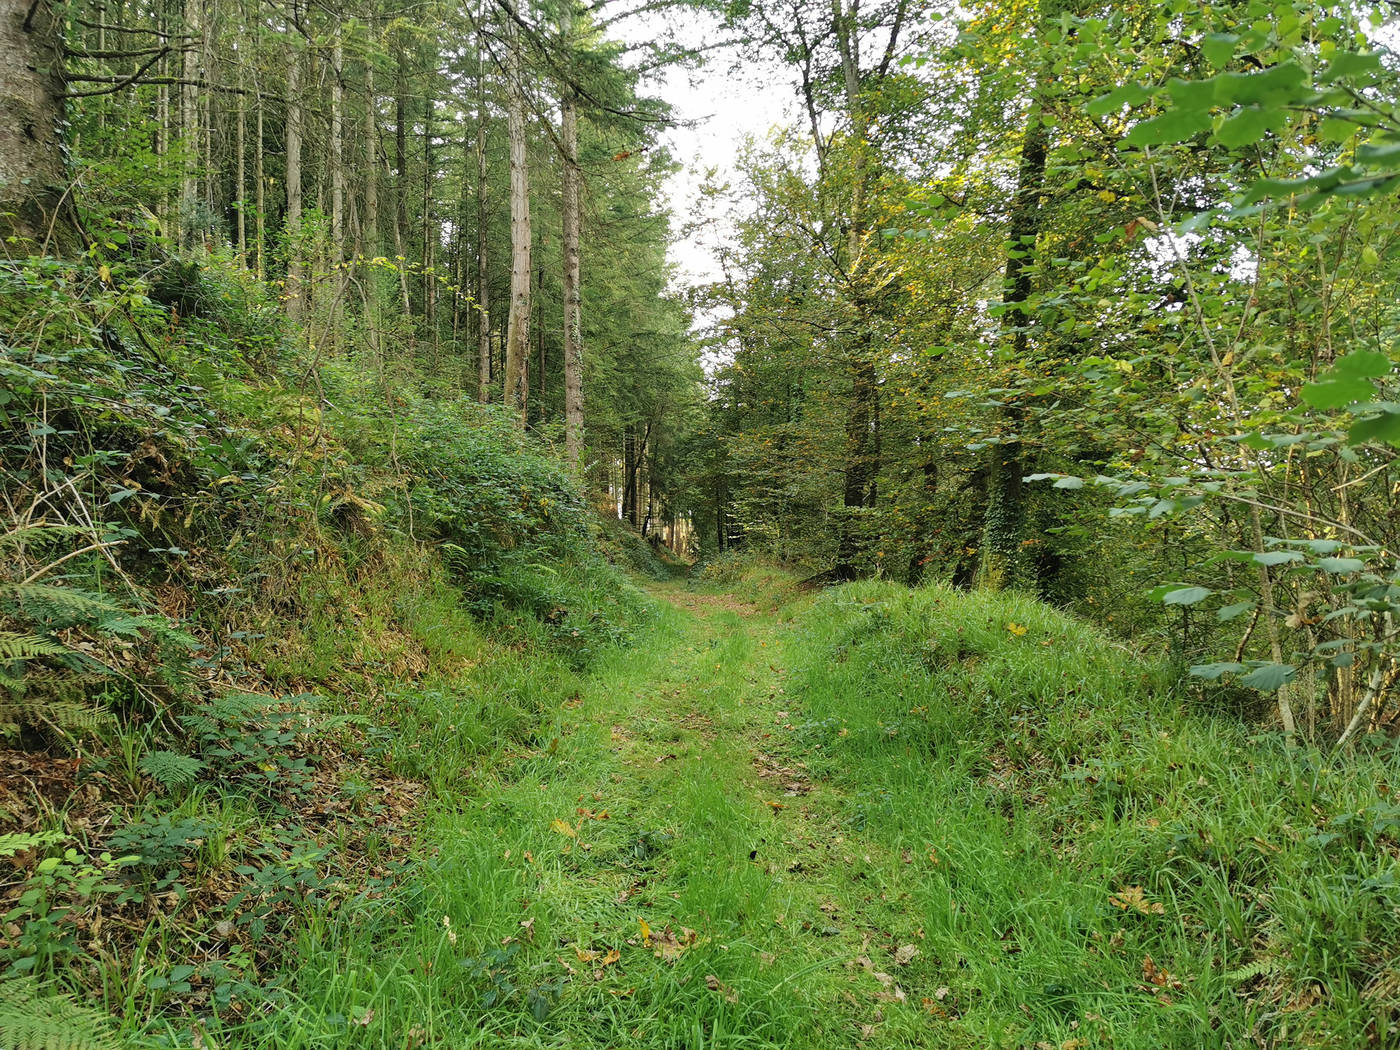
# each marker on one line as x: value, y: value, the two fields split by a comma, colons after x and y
x: 572, y: 222
x: 517, y: 382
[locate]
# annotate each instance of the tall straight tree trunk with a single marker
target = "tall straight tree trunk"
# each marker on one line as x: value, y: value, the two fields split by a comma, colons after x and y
x: 241, y: 190
x: 369, y: 278
x: 337, y: 155
x: 859, y: 487
x: 295, y: 290
x: 517, y: 381
x: 483, y: 282
x: 190, y: 138
x: 1003, y: 562
x: 429, y: 231
x: 259, y: 192
x: 401, y: 173
x: 32, y: 169
x: 573, y: 300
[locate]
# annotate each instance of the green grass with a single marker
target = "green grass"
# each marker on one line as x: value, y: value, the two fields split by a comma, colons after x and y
x: 890, y: 818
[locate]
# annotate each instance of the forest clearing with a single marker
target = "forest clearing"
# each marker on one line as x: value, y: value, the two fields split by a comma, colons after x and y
x: 920, y: 571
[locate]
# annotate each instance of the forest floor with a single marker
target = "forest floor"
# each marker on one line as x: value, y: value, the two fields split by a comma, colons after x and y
x: 664, y: 871
x: 875, y: 818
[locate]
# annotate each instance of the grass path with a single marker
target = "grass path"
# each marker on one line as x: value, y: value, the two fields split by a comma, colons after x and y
x: 660, y: 870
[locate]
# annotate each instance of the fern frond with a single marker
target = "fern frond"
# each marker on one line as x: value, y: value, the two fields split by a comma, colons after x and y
x: 61, y: 714
x: 1266, y: 967
x: 51, y: 601
x: 15, y: 646
x: 35, y: 1018
x: 170, y: 770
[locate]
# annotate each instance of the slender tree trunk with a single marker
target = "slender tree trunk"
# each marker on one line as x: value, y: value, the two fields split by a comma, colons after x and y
x: 572, y: 223
x: 32, y: 169
x: 1003, y: 562
x: 517, y: 381
x: 190, y: 137
x: 259, y: 194
x: 483, y: 283
x: 241, y: 190
x: 401, y: 174
x: 429, y: 230
x: 337, y: 156
x: 295, y: 291
x: 370, y: 278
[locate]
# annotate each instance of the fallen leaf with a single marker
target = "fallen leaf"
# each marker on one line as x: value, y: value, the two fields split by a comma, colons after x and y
x: 646, y: 932
x: 714, y: 984
x: 775, y: 806
x: 1016, y: 629
x: 1131, y: 898
x: 668, y: 946
x: 364, y: 1021
x: 905, y: 955
x: 562, y: 827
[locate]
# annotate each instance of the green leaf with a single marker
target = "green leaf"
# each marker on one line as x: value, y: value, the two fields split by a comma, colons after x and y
x: 1131, y: 95
x: 1341, y: 564
x: 1277, y: 557
x: 1349, y: 64
x: 1335, y: 393
x: 1385, y: 427
x: 1219, y: 48
x: 1269, y: 677
x: 1170, y: 127
x: 1211, y: 672
x: 1282, y: 84
x: 1069, y: 483
x: 1186, y: 595
x: 1229, y: 612
x: 1363, y: 364
x: 1248, y: 126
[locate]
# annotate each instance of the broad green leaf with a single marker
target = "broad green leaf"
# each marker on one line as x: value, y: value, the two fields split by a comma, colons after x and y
x: 1248, y: 126
x: 1069, y: 483
x: 1277, y: 557
x: 1349, y: 64
x: 1170, y: 127
x: 1186, y: 595
x: 1269, y: 677
x: 1219, y: 48
x: 1378, y: 156
x: 1365, y: 364
x: 1130, y: 95
x: 1341, y: 564
x: 1385, y: 427
x: 1335, y: 393
x: 1195, y: 95
x: 1282, y: 84
x: 1211, y: 672
x: 1229, y: 612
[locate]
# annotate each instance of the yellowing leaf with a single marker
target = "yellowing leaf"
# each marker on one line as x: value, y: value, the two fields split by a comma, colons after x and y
x: 646, y: 932
x: 1016, y: 629
x: 563, y: 827
x: 1131, y: 898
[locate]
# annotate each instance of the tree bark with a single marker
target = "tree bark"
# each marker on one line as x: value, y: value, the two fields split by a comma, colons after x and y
x: 32, y: 169
x: 517, y: 381
x: 483, y: 282
x: 573, y: 300
x: 1003, y: 562
x: 293, y: 223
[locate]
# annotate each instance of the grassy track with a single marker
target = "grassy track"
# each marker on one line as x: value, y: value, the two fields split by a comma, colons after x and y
x: 874, y: 819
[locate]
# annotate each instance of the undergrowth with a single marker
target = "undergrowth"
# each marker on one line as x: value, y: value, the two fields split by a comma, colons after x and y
x: 243, y: 590
x: 1093, y: 857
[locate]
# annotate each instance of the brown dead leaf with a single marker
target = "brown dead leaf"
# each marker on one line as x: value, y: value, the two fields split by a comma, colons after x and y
x: 668, y: 946
x: 714, y: 984
x: 528, y: 925
x: 905, y: 955
x: 1131, y: 898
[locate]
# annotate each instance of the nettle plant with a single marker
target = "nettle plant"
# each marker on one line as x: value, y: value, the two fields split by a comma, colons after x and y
x: 1274, y: 351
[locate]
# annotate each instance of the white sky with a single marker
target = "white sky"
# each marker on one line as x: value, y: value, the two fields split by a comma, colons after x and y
x: 718, y: 105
